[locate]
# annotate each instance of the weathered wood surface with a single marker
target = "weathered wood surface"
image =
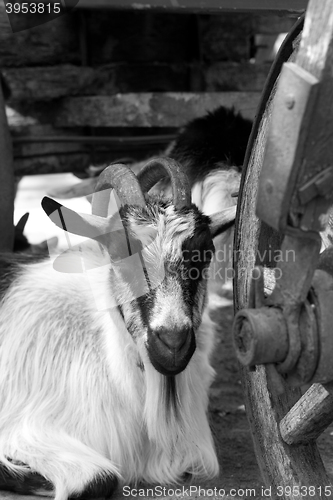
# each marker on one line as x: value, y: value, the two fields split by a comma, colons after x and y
x: 67, y: 153
x: 215, y: 6
x: 148, y: 109
x: 316, y: 56
x: 309, y: 417
x: 32, y: 149
x: 46, y: 157
x: 40, y: 83
x: 44, y: 83
x: 280, y: 464
x: 233, y: 76
x: 6, y: 183
x: 52, y: 164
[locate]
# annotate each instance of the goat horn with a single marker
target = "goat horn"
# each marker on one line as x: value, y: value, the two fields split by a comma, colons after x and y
x: 120, y: 178
x: 156, y: 169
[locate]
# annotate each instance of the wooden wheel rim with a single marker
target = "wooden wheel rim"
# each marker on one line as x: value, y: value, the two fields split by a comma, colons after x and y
x: 283, y: 467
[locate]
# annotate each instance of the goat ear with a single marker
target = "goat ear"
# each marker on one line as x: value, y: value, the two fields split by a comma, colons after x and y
x: 19, y: 228
x: 222, y: 221
x: 89, y: 226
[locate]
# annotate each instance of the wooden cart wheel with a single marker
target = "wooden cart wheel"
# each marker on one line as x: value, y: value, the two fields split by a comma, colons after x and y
x: 292, y: 472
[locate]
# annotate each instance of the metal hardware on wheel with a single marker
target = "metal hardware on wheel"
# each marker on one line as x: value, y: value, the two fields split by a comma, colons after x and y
x: 289, y: 327
x: 282, y: 329
x: 292, y: 111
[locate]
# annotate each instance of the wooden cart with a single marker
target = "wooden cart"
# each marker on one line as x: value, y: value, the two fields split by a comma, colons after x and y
x: 283, y: 327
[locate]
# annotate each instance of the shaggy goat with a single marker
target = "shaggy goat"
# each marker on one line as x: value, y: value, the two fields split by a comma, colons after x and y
x: 104, y: 373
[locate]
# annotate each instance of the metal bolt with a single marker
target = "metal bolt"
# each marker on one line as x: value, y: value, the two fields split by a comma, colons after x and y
x: 290, y: 101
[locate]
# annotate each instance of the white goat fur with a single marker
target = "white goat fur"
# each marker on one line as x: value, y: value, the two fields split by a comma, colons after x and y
x: 77, y: 405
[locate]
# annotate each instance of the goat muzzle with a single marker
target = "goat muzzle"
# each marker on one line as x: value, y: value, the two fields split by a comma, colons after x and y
x: 171, y: 350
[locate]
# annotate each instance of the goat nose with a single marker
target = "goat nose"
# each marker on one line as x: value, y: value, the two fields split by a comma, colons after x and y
x: 174, y: 338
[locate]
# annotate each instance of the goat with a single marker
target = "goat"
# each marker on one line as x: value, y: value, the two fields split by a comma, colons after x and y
x: 104, y: 374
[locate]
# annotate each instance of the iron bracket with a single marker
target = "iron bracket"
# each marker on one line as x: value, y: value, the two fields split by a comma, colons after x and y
x: 293, y: 107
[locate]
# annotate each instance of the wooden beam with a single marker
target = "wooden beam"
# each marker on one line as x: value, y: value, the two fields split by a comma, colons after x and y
x: 61, y: 151
x: 44, y: 83
x: 207, y: 6
x: 6, y: 182
x: 148, y: 109
x: 52, y: 164
x: 56, y: 154
x: 242, y: 77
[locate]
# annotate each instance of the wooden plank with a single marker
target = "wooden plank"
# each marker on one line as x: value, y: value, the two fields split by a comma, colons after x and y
x: 207, y: 6
x: 148, y: 109
x: 37, y: 153
x: 34, y: 149
x: 52, y: 164
x: 309, y: 417
x: 6, y: 183
x: 57, y: 154
x: 229, y: 75
x: 44, y: 83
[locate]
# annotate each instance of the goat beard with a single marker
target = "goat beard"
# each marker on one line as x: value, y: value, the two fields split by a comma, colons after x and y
x: 179, y: 440
x: 165, y: 404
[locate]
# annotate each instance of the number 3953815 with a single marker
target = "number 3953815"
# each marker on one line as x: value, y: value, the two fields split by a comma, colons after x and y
x: 33, y: 8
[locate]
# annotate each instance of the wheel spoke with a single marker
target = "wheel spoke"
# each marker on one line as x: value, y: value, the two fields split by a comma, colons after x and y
x: 309, y: 417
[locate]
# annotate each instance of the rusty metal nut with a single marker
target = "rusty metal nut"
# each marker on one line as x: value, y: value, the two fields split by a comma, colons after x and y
x: 260, y: 336
x: 305, y: 367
